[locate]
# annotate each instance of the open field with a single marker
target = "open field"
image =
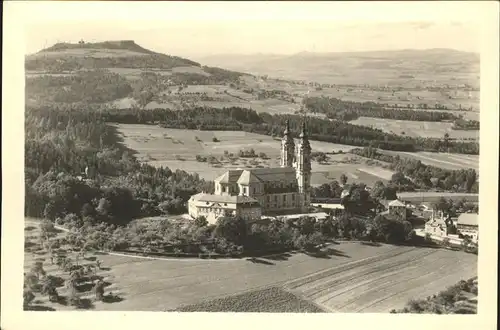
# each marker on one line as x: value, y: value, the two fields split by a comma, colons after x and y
x: 178, y: 148
x: 441, y: 159
x: 270, y: 300
x: 431, y: 197
x: 416, y: 128
x: 379, y: 76
x: 350, y: 277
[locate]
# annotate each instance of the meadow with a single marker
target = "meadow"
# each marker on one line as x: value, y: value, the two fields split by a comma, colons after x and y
x: 347, y: 277
x: 441, y: 159
x: 178, y: 149
x: 416, y: 128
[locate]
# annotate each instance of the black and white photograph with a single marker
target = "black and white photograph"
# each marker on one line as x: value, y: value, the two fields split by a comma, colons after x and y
x: 278, y: 165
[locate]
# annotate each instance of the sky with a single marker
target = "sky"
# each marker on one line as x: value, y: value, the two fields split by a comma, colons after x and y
x: 200, y: 29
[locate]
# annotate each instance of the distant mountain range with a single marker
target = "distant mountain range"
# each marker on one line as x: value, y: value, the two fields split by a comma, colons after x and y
x: 356, y: 66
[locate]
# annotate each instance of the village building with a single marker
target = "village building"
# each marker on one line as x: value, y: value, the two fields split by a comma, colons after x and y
x: 285, y: 189
x: 331, y: 205
x: 398, y: 209
x: 467, y: 226
x: 214, y: 206
x: 437, y: 226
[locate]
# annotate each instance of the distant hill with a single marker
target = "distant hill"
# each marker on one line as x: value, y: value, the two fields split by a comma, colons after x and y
x: 120, y: 44
x: 108, y: 54
x: 374, y: 67
x: 112, y: 71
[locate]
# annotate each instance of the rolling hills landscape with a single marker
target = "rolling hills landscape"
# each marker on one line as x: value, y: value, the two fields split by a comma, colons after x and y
x: 159, y: 128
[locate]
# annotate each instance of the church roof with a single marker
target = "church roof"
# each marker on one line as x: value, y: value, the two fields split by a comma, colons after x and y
x: 284, y: 174
x: 230, y: 176
x: 248, y: 177
x: 275, y: 174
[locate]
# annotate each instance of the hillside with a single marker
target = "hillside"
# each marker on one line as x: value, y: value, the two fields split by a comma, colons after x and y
x: 374, y: 67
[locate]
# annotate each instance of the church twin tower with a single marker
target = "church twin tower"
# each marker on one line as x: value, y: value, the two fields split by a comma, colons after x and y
x: 300, y: 159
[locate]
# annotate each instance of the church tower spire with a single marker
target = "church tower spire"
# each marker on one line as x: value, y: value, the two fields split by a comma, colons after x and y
x: 287, y: 147
x: 303, y: 168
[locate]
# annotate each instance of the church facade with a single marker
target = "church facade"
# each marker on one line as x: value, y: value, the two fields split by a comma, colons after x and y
x: 251, y: 193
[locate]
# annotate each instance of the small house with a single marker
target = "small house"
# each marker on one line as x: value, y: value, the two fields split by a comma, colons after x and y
x: 467, y: 226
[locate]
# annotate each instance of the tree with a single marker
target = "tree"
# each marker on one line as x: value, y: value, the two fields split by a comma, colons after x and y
x: 378, y: 189
x: 49, y: 288
x: 442, y: 205
x: 51, y: 210
x: 37, y: 269
x: 28, y: 297
x: 47, y: 228
x: 99, y: 290
x: 343, y: 179
x: 104, y: 207
x: 87, y: 210
x: 233, y: 229
x: 446, y: 242
x: 201, y: 221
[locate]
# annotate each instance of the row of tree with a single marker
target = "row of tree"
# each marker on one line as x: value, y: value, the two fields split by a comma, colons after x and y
x: 349, y: 110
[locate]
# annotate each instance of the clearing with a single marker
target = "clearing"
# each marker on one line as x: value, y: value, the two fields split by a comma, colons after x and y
x: 440, y: 159
x: 416, y: 128
x: 351, y: 277
x: 177, y: 149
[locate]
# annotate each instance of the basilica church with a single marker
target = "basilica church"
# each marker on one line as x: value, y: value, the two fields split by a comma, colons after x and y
x: 252, y: 193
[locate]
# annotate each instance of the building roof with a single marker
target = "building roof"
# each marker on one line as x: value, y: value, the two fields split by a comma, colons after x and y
x: 436, y: 222
x: 230, y: 176
x: 468, y: 219
x: 275, y: 173
x: 248, y: 177
x: 210, y: 198
x: 319, y: 215
x: 335, y: 206
x: 396, y: 203
x: 326, y: 200
x: 283, y: 174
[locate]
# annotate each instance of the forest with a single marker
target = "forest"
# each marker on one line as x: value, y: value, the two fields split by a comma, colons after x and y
x: 58, y: 147
x: 67, y: 62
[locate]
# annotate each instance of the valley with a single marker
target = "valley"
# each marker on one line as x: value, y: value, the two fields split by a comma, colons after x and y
x: 117, y: 135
